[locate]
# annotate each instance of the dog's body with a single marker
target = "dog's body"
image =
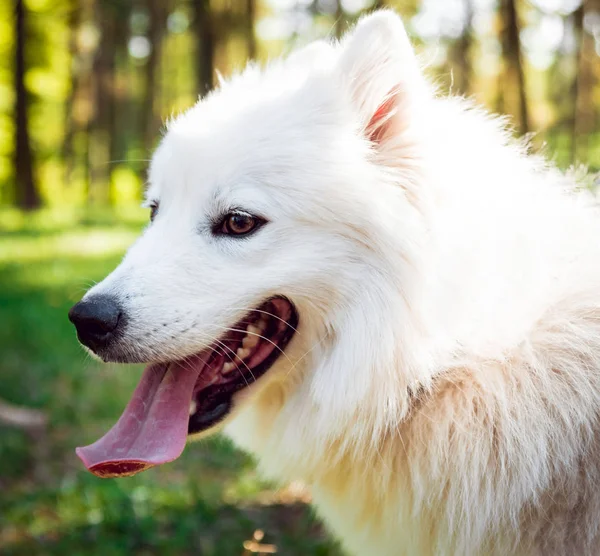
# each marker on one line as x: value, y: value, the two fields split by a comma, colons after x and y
x: 442, y: 393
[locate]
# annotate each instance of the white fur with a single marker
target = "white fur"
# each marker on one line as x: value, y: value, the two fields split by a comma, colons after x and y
x: 441, y: 395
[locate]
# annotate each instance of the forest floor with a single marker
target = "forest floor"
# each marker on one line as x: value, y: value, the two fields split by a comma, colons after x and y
x: 208, y: 502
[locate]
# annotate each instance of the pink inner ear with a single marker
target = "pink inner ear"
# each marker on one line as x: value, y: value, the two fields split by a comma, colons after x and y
x: 381, y: 121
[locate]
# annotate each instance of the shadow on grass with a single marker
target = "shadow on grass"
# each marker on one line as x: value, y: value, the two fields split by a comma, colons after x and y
x: 197, y: 529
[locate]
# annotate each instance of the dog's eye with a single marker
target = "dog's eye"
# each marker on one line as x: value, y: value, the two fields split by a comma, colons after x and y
x: 239, y: 223
x: 153, y: 210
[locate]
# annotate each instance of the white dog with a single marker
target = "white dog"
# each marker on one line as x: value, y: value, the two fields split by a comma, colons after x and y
x: 374, y: 290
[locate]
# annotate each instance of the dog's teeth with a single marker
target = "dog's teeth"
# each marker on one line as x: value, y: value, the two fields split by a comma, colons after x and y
x: 253, y: 329
x: 260, y: 327
x: 243, y: 352
x: 228, y: 367
x: 250, y: 340
x: 193, y: 407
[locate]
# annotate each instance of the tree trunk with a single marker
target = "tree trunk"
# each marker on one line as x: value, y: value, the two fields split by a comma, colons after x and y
x: 340, y: 24
x: 205, y: 45
x: 511, y: 50
x: 462, y: 52
x: 579, y: 37
x: 156, y: 31
x: 68, y: 147
x: 26, y: 192
x: 250, y: 35
x: 583, y: 86
x: 122, y: 117
x: 80, y: 105
x: 101, y: 138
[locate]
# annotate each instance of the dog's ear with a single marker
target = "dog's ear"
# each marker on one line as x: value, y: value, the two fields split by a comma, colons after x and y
x: 380, y: 71
x: 319, y: 51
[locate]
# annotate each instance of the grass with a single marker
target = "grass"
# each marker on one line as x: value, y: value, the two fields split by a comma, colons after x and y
x: 208, y: 502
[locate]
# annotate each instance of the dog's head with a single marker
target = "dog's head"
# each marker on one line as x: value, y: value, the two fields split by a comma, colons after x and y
x: 276, y: 216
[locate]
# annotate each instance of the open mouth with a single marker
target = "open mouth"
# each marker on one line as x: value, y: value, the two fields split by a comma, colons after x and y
x: 191, y: 395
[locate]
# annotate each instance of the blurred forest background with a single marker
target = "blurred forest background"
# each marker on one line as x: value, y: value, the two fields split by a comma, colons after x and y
x: 84, y: 87
x: 85, y: 84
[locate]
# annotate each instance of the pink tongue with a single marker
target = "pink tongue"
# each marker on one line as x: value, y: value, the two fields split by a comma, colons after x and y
x: 152, y: 429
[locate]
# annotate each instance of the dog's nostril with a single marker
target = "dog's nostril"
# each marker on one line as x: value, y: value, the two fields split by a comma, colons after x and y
x: 95, y: 320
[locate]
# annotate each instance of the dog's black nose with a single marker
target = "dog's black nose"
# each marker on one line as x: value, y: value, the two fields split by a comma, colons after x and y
x: 96, y: 320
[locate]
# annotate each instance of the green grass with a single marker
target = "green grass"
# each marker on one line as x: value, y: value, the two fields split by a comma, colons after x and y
x: 208, y: 502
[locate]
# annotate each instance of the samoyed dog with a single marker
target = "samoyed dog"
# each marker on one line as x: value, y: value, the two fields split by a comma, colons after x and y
x: 376, y: 291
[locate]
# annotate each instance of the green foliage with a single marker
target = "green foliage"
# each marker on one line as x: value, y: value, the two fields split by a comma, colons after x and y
x: 92, y: 131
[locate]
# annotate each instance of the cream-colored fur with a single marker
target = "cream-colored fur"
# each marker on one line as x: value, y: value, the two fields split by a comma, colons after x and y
x: 442, y: 392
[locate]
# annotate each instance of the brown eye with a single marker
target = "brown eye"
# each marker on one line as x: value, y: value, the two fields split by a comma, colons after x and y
x: 153, y: 211
x: 239, y: 223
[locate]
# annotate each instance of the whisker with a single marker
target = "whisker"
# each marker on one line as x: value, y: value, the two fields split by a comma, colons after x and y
x: 305, y: 354
x: 243, y: 363
x: 211, y: 340
x: 231, y: 359
x: 260, y: 336
x: 187, y: 359
x: 251, y: 310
